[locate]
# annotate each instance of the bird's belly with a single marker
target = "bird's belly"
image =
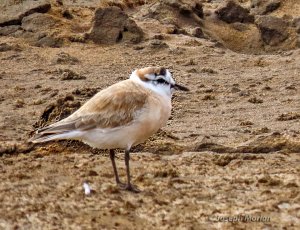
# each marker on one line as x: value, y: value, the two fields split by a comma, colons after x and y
x: 123, y: 138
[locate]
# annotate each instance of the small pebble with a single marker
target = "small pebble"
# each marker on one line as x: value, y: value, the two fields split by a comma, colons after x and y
x: 87, y: 189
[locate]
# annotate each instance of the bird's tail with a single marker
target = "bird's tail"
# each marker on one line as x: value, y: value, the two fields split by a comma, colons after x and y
x: 42, y: 137
x: 56, y: 131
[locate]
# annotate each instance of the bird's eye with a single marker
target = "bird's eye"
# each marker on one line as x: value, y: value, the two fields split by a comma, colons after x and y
x: 162, y: 81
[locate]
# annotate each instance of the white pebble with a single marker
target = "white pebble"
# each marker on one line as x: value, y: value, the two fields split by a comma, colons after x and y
x: 87, y: 189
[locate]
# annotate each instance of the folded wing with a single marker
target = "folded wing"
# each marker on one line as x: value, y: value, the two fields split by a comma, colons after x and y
x: 114, y: 107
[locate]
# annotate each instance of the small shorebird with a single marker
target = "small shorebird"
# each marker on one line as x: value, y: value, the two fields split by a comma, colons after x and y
x: 120, y: 116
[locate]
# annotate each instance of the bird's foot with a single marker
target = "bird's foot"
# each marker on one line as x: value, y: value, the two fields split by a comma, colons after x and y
x: 132, y: 188
x: 121, y: 185
x: 128, y: 187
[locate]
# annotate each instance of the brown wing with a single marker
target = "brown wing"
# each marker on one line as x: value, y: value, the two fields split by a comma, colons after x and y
x: 113, y: 111
x: 113, y: 107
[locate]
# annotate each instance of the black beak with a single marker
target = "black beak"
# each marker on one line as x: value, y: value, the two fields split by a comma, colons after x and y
x: 180, y: 87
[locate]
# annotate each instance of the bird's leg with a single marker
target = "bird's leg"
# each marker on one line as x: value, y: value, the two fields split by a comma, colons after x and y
x: 129, y: 186
x: 112, y: 158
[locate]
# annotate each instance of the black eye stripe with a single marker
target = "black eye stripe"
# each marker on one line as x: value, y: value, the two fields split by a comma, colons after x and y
x: 162, y: 81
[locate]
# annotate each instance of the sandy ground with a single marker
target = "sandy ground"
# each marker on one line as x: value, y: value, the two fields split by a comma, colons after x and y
x: 230, y: 149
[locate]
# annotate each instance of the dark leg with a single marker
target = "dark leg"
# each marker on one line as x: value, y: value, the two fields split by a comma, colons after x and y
x: 129, y: 186
x: 112, y: 158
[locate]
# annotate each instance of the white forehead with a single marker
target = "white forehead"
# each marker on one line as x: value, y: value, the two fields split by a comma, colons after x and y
x: 169, y: 77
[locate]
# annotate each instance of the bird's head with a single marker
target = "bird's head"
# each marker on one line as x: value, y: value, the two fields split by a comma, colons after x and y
x: 158, y: 79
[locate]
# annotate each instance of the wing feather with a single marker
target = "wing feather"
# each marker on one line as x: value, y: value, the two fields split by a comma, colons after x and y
x: 116, y: 106
x: 111, y: 109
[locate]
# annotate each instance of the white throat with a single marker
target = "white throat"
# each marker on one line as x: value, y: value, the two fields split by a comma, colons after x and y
x: 161, y: 89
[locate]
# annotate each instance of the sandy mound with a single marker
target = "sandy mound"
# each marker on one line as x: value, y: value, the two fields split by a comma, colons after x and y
x: 250, y: 27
